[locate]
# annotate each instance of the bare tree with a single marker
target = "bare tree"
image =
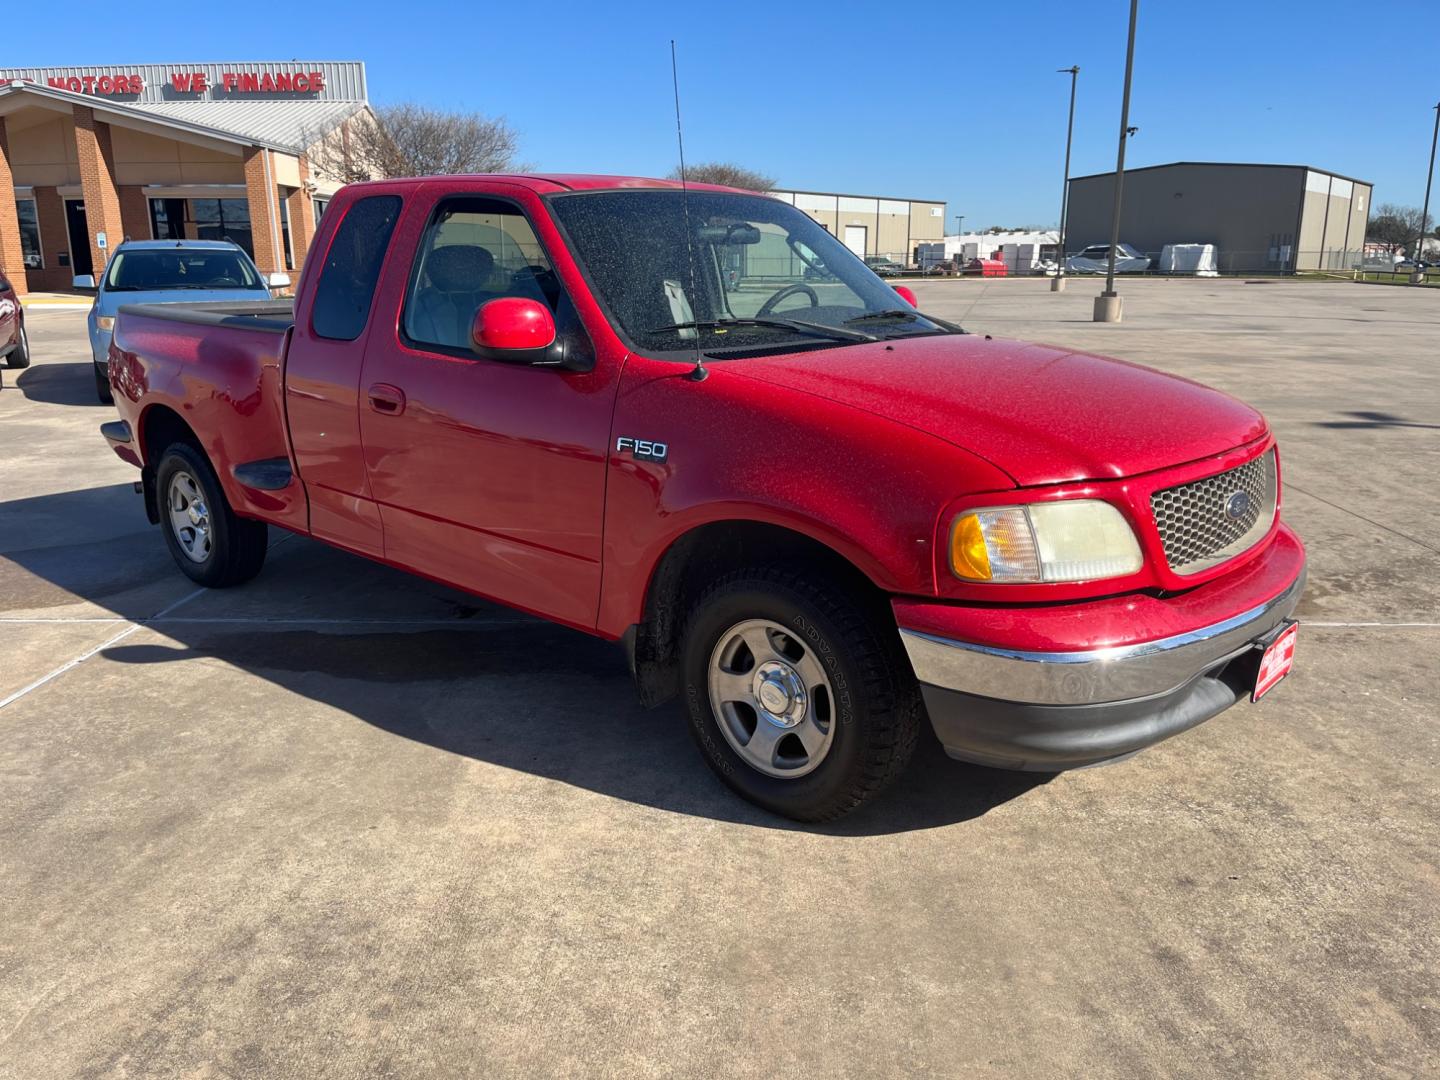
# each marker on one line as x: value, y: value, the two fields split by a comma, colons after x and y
x: 1395, y: 226
x: 415, y: 140
x: 723, y: 172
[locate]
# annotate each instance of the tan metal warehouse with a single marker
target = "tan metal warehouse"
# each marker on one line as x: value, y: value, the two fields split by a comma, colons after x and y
x: 873, y: 225
x: 1261, y: 218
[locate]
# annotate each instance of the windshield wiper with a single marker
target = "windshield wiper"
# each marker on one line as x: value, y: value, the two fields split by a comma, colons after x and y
x: 908, y: 315
x: 799, y: 326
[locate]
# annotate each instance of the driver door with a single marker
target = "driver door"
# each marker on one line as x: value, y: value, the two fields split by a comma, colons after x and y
x: 488, y: 474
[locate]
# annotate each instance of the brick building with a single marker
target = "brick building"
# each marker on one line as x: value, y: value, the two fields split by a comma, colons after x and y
x: 90, y: 156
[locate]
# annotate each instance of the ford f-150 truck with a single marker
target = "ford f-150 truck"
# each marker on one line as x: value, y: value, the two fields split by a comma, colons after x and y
x: 690, y: 420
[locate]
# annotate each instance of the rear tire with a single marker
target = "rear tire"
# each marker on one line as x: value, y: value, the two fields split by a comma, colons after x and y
x: 209, y: 542
x: 20, y: 355
x: 780, y: 658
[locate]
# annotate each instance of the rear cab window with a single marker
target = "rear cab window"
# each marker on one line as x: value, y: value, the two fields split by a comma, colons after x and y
x: 346, y: 288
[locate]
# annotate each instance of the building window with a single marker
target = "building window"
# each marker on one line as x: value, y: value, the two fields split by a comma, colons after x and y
x: 223, y: 219
x: 30, y: 250
x: 320, y: 207
x: 202, y: 219
x: 285, y: 243
x: 167, y: 219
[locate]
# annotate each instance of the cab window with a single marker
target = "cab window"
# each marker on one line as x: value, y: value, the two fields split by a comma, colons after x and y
x: 474, y: 250
x: 352, y: 265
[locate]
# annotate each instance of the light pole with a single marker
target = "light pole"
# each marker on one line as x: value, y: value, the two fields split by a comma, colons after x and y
x: 1107, y: 304
x: 1057, y: 283
x: 1419, y: 275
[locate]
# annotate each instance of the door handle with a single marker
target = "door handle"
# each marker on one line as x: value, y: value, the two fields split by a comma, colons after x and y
x: 386, y: 399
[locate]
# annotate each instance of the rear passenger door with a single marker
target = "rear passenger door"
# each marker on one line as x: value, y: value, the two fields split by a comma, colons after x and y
x: 322, y: 371
x: 488, y: 474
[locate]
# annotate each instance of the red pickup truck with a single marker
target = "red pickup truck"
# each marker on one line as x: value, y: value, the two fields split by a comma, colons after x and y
x: 692, y: 421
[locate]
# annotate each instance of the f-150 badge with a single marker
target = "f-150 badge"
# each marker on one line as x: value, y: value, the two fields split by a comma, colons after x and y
x: 642, y: 449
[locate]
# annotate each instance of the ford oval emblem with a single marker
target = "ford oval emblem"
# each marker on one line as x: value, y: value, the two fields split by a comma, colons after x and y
x: 1237, y: 505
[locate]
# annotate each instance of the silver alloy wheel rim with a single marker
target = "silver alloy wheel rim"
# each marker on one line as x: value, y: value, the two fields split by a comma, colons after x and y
x: 189, y: 516
x: 772, y: 699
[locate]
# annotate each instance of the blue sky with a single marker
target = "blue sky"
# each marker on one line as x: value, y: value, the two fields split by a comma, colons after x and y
x: 958, y: 100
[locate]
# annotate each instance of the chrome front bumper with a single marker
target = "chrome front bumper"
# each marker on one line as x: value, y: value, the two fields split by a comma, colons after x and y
x: 1049, y: 711
x: 1096, y: 675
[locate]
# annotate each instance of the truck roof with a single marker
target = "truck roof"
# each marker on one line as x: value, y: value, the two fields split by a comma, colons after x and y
x: 546, y: 183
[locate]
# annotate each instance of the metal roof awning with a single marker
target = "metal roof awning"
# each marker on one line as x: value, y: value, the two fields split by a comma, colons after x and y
x: 223, y: 125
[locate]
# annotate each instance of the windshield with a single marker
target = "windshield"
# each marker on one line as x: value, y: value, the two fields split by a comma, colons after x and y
x: 148, y: 269
x: 764, y: 274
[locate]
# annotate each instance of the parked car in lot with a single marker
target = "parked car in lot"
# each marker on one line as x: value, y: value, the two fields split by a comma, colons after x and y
x: 815, y: 525
x: 160, y: 271
x: 1095, y: 259
x: 14, y: 344
x: 884, y: 267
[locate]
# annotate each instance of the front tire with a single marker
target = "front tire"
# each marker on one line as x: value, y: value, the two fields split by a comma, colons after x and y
x: 798, y: 698
x: 20, y: 355
x: 211, y: 544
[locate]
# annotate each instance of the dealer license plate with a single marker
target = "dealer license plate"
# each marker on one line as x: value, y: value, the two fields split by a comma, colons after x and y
x: 1276, y: 662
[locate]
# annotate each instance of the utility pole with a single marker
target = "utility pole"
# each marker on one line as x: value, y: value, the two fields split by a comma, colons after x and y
x: 1057, y: 283
x: 1107, y: 304
x: 1418, y: 276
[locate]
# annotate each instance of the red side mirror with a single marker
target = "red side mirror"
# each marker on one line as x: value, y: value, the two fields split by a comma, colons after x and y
x: 907, y: 295
x: 511, y: 324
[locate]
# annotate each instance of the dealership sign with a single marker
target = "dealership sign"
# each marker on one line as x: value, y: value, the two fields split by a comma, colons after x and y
x: 192, y: 83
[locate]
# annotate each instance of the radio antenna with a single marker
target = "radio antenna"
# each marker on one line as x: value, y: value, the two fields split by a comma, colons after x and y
x: 698, y: 372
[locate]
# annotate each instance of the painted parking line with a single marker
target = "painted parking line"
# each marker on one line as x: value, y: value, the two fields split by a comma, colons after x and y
x: 52, y: 675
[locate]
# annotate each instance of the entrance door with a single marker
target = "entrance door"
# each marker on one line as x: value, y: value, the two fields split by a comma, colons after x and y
x: 855, y: 239
x: 79, y: 230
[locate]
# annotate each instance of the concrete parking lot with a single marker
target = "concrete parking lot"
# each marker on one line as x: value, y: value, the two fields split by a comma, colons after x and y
x: 342, y: 821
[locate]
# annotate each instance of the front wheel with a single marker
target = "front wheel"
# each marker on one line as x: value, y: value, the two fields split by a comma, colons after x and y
x: 799, y: 699
x: 211, y: 544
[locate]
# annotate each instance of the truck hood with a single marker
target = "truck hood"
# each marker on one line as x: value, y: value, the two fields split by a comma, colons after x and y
x: 1041, y: 413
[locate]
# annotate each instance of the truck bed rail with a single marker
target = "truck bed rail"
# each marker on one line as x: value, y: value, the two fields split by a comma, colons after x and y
x: 276, y: 316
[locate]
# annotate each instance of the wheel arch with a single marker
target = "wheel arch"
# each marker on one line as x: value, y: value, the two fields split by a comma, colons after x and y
x: 704, y: 553
x: 160, y: 426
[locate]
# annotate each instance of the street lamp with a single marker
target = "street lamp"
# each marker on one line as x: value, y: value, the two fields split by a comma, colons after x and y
x: 1419, y: 275
x: 1057, y: 283
x: 1107, y: 304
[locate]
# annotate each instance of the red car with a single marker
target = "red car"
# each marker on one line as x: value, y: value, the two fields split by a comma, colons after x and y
x: 811, y: 512
x: 14, y: 344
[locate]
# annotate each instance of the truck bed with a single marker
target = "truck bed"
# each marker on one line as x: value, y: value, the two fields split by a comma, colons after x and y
x: 217, y: 368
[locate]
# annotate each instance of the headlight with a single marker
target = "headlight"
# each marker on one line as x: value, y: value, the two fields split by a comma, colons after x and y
x: 1068, y: 540
x: 104, y: 322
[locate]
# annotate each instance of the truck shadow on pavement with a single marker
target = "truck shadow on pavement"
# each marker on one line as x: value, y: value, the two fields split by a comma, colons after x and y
x: 60, y: 384
x: 1370, y: 420
x: 428, y: 664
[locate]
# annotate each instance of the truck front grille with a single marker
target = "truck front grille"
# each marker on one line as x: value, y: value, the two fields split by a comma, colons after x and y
x: 1206, y: 522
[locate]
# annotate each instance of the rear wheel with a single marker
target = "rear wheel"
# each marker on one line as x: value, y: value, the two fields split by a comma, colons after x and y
x: 210, y: 543
x: 798, y: 698
x: 20, y: 355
